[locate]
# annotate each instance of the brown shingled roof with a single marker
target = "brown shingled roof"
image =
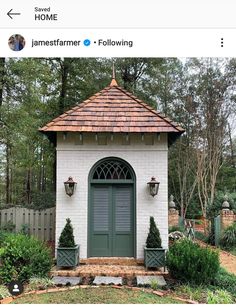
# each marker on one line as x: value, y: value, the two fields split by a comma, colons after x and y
x: 112, y: 110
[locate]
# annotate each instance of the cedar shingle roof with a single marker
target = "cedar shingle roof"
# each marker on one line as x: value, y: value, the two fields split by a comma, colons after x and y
x: 112, y: 110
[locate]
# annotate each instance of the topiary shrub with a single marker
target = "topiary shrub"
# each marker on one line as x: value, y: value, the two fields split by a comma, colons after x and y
x: 188, y: 262
x: 23, y: 257
x: 66, y: 238
x: 228, y: 239
x: 153, y: 238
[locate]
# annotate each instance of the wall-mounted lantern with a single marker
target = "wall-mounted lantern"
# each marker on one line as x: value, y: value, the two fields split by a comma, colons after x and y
x: 70, y: 185
x: 153, y: 186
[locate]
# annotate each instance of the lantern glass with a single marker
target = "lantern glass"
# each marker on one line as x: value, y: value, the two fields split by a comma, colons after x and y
x: 153, y: 186
x: 70, y: 186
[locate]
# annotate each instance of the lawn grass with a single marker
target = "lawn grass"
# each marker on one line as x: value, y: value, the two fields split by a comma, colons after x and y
x: 101, y: 295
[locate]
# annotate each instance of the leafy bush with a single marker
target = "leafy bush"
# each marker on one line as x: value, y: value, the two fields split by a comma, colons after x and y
x: 189, y: 262
x: 154, y: 284
x: 228, y: 239
x: 4, y: 292
x: 219, y: 297
x: 25, y: 229
x: 176, y: 228
x: 67, y: 238
x: 201, y: 236
x: 40, y: 283
x: 8, y: 226
x: 23, y: 257
x: 226, y: 281
x: 196, y: 293
x: 3, y: 235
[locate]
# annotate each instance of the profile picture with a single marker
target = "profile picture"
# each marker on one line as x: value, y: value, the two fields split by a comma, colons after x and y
x: 16, y: 42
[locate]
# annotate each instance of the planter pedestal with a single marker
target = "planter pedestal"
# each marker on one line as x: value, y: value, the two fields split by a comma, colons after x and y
x: 68, y: 256
x: 154, y: 257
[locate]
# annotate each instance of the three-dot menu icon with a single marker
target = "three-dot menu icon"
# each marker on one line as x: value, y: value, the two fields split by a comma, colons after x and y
x: 222, y: 42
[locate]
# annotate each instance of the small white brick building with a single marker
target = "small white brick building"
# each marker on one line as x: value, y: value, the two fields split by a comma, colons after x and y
x: 112, y: 144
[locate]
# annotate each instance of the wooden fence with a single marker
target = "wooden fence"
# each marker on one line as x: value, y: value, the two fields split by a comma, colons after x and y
x: 41, y: 223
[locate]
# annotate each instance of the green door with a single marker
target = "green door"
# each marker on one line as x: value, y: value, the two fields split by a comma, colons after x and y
x: 111, y: 221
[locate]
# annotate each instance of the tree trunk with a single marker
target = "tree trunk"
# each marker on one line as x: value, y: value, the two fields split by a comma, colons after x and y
x: 2, y: 75
x: 231, y: 146
x: 8, y: 176
x: 28, y: 186
x: 65, y: 65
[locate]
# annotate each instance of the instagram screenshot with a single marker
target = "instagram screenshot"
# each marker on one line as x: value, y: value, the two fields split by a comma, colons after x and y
x: 117, y: 152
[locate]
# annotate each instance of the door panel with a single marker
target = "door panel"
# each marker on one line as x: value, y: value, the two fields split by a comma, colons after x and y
x: 123, y: 221
x: 111, y: 221
x: 101, y: 209
x: 100, y: 239
x: 122, y: 197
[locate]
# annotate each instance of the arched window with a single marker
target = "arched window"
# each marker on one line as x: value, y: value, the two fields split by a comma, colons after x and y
x: 112, y: 169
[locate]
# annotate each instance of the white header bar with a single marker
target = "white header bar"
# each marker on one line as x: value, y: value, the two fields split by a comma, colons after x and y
x: 121, y: 43
x: 118, y: 14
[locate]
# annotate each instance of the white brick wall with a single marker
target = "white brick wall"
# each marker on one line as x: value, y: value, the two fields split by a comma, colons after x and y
x: 146, y: 160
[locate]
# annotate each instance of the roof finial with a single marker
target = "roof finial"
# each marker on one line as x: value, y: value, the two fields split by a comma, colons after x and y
x: 113, y: 81
x: 113, y: 71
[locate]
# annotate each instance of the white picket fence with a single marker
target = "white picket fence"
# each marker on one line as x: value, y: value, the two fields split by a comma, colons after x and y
x: 41, y: 223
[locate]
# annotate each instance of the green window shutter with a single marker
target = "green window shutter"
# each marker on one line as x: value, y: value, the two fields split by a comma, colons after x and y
x: 123, y: 208
x: 101, y: 209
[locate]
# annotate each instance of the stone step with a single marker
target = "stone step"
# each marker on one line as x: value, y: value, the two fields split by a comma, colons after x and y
x: 105, y: 270
x: 107, y: 280
x: 112, y: 261
x: 142, y: 281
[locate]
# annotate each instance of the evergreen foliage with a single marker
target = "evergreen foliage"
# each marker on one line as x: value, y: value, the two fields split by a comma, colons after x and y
x: 23, y: 257
x: 67, y: 237
x: 153, y: 238
x: 228, y: 239
x: 188, y: 262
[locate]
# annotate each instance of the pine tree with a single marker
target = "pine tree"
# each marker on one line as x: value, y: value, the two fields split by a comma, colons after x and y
x: 67, y: 238
x: 153, y: 238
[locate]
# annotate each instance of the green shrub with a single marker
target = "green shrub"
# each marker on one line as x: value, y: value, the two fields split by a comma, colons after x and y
x: 23, y: 257
x: 154, y: 284
x: 219, y: 297
x: 40, y: 283
x: 201, y: 236
x: 4, y: 292
x: 25, y: 229
x: 153, y: 238
x: 3, y: 235
x: 66, y: 238
x: 196, y: 293
x: 176, y: 228
x: 226, y: 281
x: 188, y: 262
x: 8, y: 226
x: 228, y: 239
